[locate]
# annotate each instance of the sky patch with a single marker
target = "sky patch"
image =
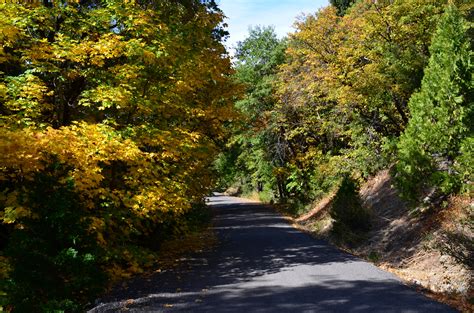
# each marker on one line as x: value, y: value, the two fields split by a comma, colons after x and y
x: 242, y: 14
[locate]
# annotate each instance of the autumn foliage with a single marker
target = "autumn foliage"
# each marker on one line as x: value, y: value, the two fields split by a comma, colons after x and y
x: 111, y: 113
x: 362, y: 85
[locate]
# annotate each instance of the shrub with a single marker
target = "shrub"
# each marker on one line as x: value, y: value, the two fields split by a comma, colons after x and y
x: 56, y: 262
x: 351, y: 219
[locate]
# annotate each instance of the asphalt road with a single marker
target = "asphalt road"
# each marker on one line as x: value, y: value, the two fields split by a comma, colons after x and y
x: 263, y: 264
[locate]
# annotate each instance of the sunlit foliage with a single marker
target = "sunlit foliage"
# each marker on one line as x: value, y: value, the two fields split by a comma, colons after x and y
x: 341, y: 99
x: 345, y: 89
x: 111, y: 113
x: 436, y: 149
x: 256, y: 149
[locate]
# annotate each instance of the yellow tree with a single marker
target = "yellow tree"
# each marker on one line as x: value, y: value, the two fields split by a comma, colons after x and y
x: 346, y: 87
x: 110, y: 113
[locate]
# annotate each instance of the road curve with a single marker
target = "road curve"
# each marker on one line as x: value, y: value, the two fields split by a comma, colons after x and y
x: 263, y: 264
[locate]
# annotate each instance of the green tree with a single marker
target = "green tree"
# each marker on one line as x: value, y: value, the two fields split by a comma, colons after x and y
x: 344, y: 90
x: 342, y: 5
x: 351, y: 218
x: 255, y: 148
x: 436, y: 147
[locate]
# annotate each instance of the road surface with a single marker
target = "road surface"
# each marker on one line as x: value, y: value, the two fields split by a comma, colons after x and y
x: 263, y: 264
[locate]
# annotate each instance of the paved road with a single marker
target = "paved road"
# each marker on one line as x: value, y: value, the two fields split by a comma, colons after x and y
x: 265, y: 265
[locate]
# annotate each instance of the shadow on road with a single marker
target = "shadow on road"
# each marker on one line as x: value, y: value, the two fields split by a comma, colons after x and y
x: 262, y: 264
x: 338, y: 296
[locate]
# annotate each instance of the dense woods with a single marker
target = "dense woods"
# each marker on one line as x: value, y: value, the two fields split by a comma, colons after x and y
x: 111, y: 113
x: 119, y: 117
x: 365, y: 92
x: 361, y: 86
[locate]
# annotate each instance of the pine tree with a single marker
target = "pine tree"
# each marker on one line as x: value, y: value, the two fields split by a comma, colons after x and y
x: 434, y: 149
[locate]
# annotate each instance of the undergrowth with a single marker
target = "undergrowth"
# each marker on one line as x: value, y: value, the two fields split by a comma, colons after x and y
x: 351, y: 219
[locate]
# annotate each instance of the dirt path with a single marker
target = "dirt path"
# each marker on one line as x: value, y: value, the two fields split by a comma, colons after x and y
x: 263, y: 264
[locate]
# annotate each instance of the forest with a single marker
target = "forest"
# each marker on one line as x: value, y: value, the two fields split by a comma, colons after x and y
x: 119, y: 117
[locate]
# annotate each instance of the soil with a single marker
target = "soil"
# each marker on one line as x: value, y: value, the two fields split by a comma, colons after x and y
x: 411, y: 242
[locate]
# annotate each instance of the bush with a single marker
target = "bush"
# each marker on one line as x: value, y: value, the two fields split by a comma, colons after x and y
x: 351, y: 219
x: 56, y: 262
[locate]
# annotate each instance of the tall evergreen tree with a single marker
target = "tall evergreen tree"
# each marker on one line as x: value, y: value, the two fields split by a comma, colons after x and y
x: 436, y: 148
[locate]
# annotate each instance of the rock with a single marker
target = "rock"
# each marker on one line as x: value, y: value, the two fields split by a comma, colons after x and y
x: 443, y: 259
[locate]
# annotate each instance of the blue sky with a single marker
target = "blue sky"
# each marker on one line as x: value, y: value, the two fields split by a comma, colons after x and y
x: 241, y: 14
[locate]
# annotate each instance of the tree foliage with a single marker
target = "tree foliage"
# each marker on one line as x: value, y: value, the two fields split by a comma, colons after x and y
x: 436, y: 147
x: 351, y: 219
x: 256, y: 148
x: 341, y: 5
x: 341, y: 99
x: 111, y: 114
x: 344, y: 91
